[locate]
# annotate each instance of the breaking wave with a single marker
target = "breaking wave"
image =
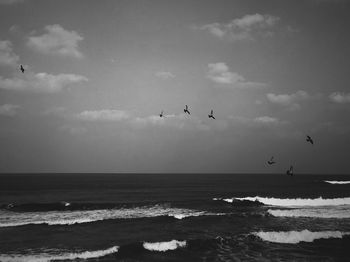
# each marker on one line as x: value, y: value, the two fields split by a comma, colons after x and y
x: 335, y: 212
x: 337, y: 182
x: 294, y: 237
x: 11, y: 219
x: 293, y: 202
x: 54, y: 255
x: 164, y: 246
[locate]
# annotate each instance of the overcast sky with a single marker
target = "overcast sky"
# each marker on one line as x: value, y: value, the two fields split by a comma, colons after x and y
x: 98, y: 74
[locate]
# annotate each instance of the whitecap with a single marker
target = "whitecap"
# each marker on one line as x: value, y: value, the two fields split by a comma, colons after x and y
x: 164, y: 246
x: 294, y: 237
x: 53, y: 255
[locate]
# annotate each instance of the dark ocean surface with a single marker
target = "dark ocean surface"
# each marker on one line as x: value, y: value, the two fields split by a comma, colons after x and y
x: 174, y: 217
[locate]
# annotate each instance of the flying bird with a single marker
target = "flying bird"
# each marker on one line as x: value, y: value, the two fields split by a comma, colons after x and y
x: 309, y: 139
x: 271, y: 161
x: 211, y: 114
x: 22, y: 68
x: 186, y: 110
x: 161, y: 114
x: 290, y: 171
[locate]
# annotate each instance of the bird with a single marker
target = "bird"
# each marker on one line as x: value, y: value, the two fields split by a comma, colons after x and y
x: 22, y: 68
x: 161, y: 114
x: 309, y: 139
x: 290, y: 171
x: 211, y: 114
x: 271, y: 162
x: 186, y: 110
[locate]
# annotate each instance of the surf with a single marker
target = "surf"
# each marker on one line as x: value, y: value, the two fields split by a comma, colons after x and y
x: 337, y: 182
x: 294, y: 237
x: 329, y: 212
x: 164, y: 246
x: 12, y: 219
x: 53, y: 255
x: 291, y: 202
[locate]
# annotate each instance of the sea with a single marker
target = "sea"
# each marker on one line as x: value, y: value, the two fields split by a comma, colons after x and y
x: 174, y: 217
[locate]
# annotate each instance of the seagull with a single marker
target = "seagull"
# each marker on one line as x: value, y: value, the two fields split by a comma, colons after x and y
x: 309, y: 139
x: 271, y: 162
x: 290, y: 171
x: 22, y: 68
x: 161, y: 114
x: 211, y: 114
x: 186, y: 110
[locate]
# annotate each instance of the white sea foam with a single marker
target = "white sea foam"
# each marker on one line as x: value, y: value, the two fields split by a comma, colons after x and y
x: 294, y: 202
x: 294, y: 237
x: 328, y: 212
x: 10, y: 218
x: 164, y: 246
x: 337, y: 182
x: 56, y: 255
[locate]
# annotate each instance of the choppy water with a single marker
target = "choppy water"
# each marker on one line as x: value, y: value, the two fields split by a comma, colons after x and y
x: 172, y: 217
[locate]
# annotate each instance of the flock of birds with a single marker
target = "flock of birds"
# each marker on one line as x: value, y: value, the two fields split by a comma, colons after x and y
x: 289, y: 172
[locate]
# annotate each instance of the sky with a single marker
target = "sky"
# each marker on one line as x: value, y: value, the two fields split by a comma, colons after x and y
x: 98, y: 74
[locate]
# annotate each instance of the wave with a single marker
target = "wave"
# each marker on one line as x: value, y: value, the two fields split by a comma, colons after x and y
x: 294, y: 237
x: 11, y: 219
x: 53, y: 255
x: 337, y: 182
x: 164, y: 246
x: 293, y: 202
x: 335, y: 212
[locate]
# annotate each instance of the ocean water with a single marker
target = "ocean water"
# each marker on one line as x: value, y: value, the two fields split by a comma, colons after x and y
x: 174, y: 217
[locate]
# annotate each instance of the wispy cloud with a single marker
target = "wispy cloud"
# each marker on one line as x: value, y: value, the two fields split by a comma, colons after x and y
x: 109, y: 115
x: 291, y: 101
x: 41, y: 82
x: 220, y: 73
x: 246, y: 28
x: 340, y: 98
x: 9, y: 2
x: 7, y: 56
x: 164, y: 75
x: 57, y: 41
x: 9, y: 110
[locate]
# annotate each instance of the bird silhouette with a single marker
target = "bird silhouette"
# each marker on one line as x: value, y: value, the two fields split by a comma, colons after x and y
x: 309, y: 139
x: 211, y: 114
x: 186, y: 110
x: 271, y: 161
x: 161, y: 114
x: 22, y: 68
x: 290, y: 171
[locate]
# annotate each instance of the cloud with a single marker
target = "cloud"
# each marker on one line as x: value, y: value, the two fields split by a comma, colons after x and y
x: 9, y: 110
x: 266, y: 120
x: 340, y: 98
x: 164, y: 75
x: 41, y: 82
x: 57, y: 41
x: 246, y: 28
x: 220, y: 73
x: 109, y: 115
x: 7, y: 56
x: 291, y: 101
x: 9, y: 2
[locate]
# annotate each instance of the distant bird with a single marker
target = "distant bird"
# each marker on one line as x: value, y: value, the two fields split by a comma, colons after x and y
x: 186, y: 110
x: 211, y: 114
x: 22, y: 68
x: 271, y: 161
x: 290, y: 171
x: 161, y: 114
x: 309, y: 139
